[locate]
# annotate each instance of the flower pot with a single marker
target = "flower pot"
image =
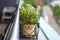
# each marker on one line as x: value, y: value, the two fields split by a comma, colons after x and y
x: 27, y: 30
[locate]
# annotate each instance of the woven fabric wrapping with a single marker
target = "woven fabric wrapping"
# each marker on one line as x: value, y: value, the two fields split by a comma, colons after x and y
x: 27, y: 30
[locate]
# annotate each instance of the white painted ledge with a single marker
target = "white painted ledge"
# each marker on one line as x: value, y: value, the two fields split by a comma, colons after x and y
x: 15, y: 34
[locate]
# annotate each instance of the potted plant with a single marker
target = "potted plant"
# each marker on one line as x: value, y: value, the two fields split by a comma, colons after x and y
x: 32, y: 2
x: 28, y: 19
x: 56, y: 13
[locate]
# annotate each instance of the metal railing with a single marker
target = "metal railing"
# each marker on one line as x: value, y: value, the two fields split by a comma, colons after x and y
x: 10, y: 28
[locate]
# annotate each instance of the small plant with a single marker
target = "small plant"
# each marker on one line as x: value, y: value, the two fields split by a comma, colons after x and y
x: 56, y: 11
x: 41, y: 11
x: 41, y: 8
x: 32, y: 2
x: 28, y: 15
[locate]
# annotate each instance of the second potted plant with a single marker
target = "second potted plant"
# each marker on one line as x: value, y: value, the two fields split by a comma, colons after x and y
x: 56, y: 13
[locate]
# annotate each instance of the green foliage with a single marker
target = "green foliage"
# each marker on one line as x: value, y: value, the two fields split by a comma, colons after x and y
x: 32, y: 2
x: 44, y: 2
x: 41, y: 5
x: 28, y: 14
x: 41, y: 10
x: 50, y: 6
x: 56, y: 11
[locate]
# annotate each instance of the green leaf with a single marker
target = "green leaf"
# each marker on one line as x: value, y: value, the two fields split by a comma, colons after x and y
x: 28, y: 14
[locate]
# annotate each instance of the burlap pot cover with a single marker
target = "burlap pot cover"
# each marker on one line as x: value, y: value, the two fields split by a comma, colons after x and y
x: 27, y: 30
